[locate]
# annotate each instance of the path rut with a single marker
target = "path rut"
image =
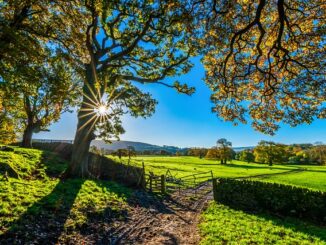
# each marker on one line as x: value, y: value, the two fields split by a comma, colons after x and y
x: 172, y: 220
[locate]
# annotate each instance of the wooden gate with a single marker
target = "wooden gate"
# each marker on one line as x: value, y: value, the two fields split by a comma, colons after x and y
x: 192, y: 183
x: 168, y: 183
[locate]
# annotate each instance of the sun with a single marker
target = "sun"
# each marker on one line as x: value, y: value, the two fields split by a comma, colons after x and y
x: 101, y: 110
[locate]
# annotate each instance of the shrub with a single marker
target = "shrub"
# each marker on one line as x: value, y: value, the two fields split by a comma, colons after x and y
x: 278, y: 199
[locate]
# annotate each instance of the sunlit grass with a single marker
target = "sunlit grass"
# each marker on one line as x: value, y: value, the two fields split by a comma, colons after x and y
x: 310, y: 179
x: 34, y: 196
x: 313, y: 176
x: 223, y: 225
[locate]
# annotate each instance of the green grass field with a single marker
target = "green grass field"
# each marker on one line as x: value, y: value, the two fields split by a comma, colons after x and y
x: 39, y: 204
x: 313, y: 177
x: 223, y: 225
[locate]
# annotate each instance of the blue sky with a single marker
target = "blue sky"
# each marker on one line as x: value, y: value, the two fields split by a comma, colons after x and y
x: 186, y: 121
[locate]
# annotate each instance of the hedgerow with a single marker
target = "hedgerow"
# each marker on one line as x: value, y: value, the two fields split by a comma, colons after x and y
x: 275, y: 198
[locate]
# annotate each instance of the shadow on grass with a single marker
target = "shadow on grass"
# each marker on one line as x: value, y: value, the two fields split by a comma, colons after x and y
x: 54, y: 164
x: 232, y: 165
x: 44, y: 220
x: 296, y: 225
x: 315, y: 171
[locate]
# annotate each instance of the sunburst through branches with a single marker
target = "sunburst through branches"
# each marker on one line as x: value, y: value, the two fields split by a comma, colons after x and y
x: 96, y: 109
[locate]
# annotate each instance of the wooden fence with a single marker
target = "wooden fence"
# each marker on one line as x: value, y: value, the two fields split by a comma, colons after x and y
x: 169, y: 183
x: 99, y: 166
x: 102, y: 167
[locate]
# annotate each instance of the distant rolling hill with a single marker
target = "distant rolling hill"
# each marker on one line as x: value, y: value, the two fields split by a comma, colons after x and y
x: 140, y: 146
x: 237, y: 149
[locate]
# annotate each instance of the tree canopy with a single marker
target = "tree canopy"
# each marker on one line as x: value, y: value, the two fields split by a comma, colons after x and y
x: 38, y: 92
x: 269, y: 152
x: 27, y: 26
x: 246, y: 156
x: 266, y: 59
x: 263, y: 59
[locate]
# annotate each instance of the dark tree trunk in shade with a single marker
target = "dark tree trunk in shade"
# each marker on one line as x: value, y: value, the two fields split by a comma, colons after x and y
x: 85, y: 129
x: 27, y: 136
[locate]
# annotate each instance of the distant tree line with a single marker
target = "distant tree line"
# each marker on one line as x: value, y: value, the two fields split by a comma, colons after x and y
x: 270, y: 153
x: 266, y: 152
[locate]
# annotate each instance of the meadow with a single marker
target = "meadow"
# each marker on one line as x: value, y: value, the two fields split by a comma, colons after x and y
x: 308, y: 176
x: 40, y: 206
x: 221, y: 224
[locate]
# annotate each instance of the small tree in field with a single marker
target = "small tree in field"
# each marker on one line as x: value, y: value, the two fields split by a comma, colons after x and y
x: 269, y: 152
x: 225, y: 150
x: 247, y: 156
x: 213, y: 153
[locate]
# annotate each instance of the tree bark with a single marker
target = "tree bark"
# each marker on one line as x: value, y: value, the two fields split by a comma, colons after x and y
x: 27, y: 136
x: 85, y: 128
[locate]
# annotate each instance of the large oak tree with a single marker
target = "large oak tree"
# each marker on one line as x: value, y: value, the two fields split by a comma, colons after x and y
x: 128, y: 42
x: 263, y: 59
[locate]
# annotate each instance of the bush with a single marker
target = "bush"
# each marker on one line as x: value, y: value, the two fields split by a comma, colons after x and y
x: 275, y: 198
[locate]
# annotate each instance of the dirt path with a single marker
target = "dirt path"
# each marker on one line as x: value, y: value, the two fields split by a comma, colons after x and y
x: 171, y: 220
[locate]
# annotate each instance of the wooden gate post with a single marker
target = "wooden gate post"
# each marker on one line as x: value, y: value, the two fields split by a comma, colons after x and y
x: 163, y: 188
x: 215, y: 189
x: 143, y: 184
x: 150, y: 182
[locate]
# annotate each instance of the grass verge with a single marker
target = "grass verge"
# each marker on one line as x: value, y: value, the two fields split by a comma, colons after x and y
x: 223, y: 225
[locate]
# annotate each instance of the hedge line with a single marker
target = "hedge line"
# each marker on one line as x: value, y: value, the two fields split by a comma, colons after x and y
x: 275, y: 198
x: 100, y: 167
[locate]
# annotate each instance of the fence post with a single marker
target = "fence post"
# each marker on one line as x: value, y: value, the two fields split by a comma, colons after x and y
x: 150, y: 182
x: 163, y: 190
x: 214, y: 180
x: 143, y: 184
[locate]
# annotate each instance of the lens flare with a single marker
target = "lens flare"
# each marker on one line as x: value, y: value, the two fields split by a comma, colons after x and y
x: 95, y: 109
x: 101, y: 110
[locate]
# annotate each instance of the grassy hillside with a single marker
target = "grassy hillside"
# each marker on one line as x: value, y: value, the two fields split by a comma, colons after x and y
x: 39, y: 206
x: 310, y: 177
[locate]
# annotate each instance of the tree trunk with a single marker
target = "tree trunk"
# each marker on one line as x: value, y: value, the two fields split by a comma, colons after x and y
x: 85, y: 128
x: 79, y: 160
x: 27, y: 136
